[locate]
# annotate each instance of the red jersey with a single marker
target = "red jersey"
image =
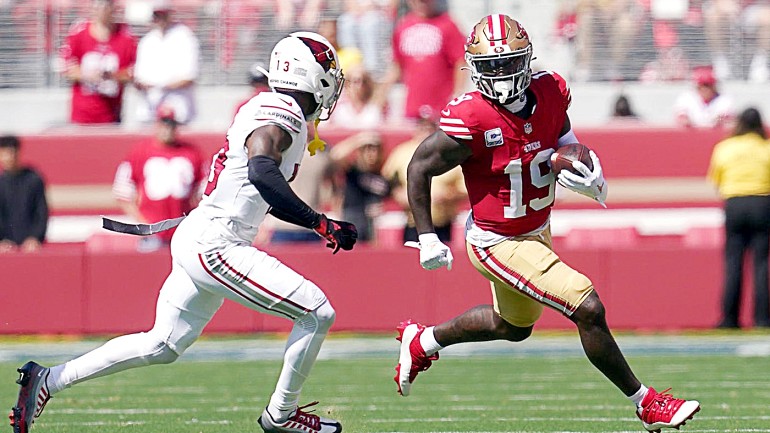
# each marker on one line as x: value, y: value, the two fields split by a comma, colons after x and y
x: 101, y: 102
x: 427, y: 50
x: 166, y: 179
x: 508, y: 177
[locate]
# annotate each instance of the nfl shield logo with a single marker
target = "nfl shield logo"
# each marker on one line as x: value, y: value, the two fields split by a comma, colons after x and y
x: 527, y: 128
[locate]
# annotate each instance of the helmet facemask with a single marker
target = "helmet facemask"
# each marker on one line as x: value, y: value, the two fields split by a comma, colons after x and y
x: 502, y: 77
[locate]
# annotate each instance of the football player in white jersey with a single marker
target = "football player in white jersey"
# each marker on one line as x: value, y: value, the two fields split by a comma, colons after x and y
x: 212, y: 252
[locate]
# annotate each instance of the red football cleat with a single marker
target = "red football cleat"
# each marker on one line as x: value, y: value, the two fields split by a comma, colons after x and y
x: 662, y: 410
x: 412, y: 358
x: 33, y: 396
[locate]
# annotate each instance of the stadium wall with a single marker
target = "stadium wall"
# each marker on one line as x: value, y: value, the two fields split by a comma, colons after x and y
x: 107, y: 287
x: 668, y: 281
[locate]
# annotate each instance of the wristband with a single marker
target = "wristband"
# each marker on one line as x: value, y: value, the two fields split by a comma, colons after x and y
x: 428, y: 238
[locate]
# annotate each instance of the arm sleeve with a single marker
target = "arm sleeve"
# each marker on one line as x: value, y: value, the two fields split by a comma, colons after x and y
x: 265, y: 175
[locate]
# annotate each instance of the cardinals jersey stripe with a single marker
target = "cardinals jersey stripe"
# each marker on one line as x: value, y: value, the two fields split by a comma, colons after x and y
x: 293, y: 114
x: 212, y: 266
x: 284, y: 125
x: 503, y: 272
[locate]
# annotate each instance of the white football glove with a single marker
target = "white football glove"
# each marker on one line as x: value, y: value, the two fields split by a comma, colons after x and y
x: 589, y: 183
x: 433, y: 253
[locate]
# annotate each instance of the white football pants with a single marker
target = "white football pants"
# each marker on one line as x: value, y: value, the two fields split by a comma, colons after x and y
x: 202, y: 276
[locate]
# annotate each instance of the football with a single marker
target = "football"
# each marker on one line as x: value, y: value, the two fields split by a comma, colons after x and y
x: 563, y: 157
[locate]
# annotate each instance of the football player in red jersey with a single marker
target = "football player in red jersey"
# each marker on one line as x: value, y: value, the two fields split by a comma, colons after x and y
x: 502, y: 135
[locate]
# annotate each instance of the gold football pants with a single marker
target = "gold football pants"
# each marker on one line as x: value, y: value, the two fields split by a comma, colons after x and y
x: 526, y: 274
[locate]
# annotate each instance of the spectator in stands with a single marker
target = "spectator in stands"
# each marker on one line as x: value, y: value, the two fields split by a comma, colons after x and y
x: 756, y: 21
x: 348, y: 55
x: 257, y: 81
x: 720, y: 20
x: 745, y: 22
x: 705, y: 107
x: 160, y: 178
x: 447, y: 191
x: 359, y: 159
x: 427, y: 57
x: 23, y: 206
x: 614, y: 25
x: 366, y: 25
x: 622, y: 110
x: 622, y: 107
x: 360, y: 106
x: 98, y: 58
x: 740, y: 168
x: 167, y: 66
x: 297, y: 14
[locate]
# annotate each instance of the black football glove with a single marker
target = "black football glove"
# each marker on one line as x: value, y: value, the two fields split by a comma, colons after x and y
x: 339, y: 234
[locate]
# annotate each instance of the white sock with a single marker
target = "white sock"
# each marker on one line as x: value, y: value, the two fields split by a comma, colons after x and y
x: 428, y: 342
x: 302, y: 348
x: 638, y: 396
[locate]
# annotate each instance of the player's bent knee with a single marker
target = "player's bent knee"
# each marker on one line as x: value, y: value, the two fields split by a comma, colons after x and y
x: 165, y: 355
x: 325, y: 315
x: 591, y: 311
x: 519, y: 334
x: 513, y: 333
x: 508, y: 331
x: 160, y: 351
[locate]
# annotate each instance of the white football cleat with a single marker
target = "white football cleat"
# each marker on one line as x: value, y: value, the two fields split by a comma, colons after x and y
x: 299, y: 422
x: 412, y: 358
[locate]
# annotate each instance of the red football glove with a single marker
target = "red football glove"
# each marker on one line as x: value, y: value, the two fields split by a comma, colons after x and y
x: 339, y: 234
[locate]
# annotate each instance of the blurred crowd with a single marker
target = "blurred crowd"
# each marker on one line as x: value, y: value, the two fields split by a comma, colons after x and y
x: 413, y: 44
x: 662, y: 40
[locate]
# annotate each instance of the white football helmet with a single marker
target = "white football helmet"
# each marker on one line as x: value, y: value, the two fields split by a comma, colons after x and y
x: 307, y: 62
x: 499, y: 52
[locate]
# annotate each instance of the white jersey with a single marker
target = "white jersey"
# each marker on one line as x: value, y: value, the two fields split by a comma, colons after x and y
x: 229, y: 193
x: 702, y: 114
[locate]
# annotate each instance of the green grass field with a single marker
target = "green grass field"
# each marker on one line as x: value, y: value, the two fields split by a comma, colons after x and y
x: 485, y: 393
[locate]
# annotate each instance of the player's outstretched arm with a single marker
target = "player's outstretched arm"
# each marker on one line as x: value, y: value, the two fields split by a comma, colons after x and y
x: 436, y: 155
x: 265, y: 146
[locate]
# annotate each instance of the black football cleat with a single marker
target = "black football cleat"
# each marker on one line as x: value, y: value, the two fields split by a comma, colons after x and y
x: 33, y: 396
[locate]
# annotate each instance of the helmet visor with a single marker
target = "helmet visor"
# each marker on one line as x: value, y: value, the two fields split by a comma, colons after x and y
x: 502, y: 66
